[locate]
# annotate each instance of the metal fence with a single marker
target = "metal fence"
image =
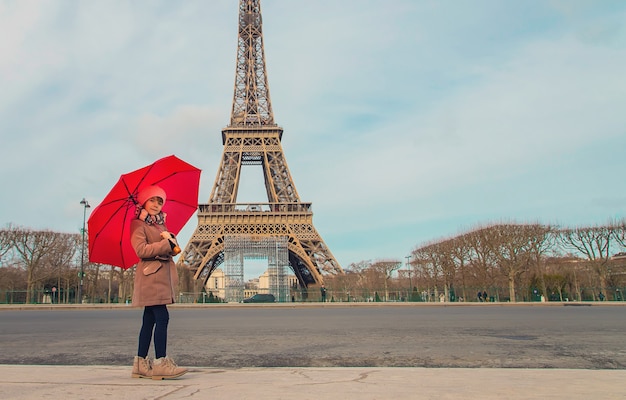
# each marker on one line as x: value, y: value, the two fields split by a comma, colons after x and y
x: 497, y: 294
x: 433, y: 296
x: 48, y: 297
x: 342, y: 296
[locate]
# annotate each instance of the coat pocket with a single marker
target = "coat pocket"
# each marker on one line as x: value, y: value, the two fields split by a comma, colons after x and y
x: 151, y: 267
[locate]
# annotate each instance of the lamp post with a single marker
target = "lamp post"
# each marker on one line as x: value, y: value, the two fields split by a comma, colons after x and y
x: 85, y: 205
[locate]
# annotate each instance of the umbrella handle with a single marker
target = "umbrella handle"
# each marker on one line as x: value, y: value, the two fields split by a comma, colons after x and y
x: 172, y: 239
x: 175, y: 248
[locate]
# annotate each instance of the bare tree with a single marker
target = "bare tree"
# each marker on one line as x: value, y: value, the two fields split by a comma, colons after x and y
x: 385, y: 269
x: 555, y: 282
x: 12, y: 279
x: 92, y: 281
x: 60, y: 257
x: 5, y: 241
x: 619, y: 232
x: 33, y: 249
x: 427, y: 265
x: 126, y: 280
x: 365, y: 281
x: 460, y: 254
x: 437, y: 260
x: 517, y: 248
x: 594, y: 244
x: 450, y: 263
x: 482, y: 260
x: 345, y: 283
x: 541, y: 247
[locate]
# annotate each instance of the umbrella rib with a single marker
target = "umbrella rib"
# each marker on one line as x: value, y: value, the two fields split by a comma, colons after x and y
x: 167, y: 177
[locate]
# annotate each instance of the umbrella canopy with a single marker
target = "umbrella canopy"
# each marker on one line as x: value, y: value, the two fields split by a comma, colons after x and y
x: 109, y: 223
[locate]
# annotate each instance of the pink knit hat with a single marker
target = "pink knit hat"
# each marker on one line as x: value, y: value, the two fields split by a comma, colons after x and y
x: 149, y: 192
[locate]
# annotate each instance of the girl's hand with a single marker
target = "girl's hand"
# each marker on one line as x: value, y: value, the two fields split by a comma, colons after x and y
x: 173, y: 243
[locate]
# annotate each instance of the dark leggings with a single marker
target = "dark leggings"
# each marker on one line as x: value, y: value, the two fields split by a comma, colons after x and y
x: 154, y: 318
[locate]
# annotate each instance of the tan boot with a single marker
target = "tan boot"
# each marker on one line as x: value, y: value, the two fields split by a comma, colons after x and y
x: 166, y: 368
x: 142, y: 368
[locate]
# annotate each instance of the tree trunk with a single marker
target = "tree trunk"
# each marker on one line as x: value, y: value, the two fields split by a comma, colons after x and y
x: 512, y: 287
x: 30, y: 290
x: 110, y: 285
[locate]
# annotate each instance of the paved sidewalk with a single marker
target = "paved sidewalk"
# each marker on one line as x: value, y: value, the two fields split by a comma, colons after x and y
x: 102, y: 382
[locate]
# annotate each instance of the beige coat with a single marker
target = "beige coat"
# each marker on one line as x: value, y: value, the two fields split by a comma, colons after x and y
x: 155, y: 280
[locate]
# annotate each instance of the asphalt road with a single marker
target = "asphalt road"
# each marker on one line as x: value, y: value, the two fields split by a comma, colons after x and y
x: 277, y: 336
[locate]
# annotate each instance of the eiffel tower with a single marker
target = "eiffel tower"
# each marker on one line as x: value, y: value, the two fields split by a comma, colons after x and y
x: 253, y: 138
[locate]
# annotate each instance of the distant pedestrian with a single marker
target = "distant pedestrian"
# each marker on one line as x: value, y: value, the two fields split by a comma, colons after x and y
x: 323, y: 292
x: 485, y: 297
x: 480, y: 296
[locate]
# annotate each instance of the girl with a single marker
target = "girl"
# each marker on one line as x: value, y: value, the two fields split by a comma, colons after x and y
x: 155, y: 282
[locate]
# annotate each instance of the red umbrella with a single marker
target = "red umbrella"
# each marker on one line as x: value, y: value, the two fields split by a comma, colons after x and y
x: 109, y: 223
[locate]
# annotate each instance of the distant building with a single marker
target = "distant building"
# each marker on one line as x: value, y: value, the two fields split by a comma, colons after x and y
x: 216, y: 284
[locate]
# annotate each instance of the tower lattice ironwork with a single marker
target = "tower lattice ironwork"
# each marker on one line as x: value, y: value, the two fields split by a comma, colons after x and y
x: 253, y: 138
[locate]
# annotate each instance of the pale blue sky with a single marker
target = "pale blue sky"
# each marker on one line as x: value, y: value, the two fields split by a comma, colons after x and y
x: 405, y: 121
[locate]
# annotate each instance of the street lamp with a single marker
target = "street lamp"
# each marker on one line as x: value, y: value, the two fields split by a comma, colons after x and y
x: 85, y: 205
